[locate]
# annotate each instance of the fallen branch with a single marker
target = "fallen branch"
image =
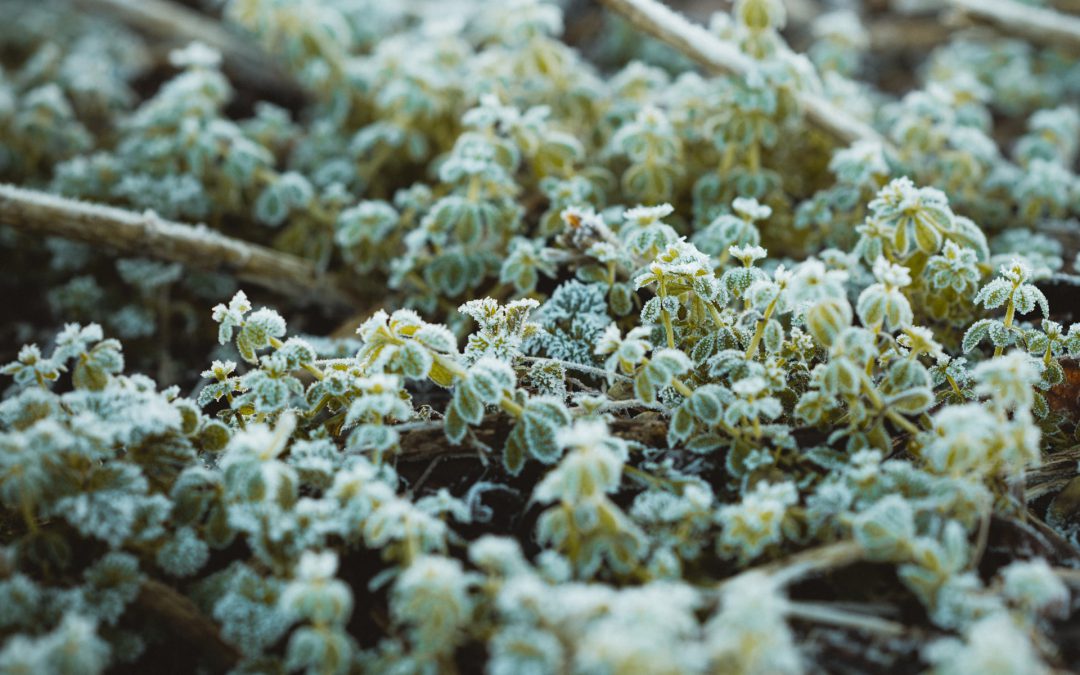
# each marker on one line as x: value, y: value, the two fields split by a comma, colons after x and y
x: 199, y: 247
x: 177, y: 614
x: 813, y: 561
x: 917, y: 34
x: 1039, y: 25
x: 174, y: 22
x: 719, y: 57
x: 823, y: 558
x: 423, y: 441
x: 1068, y: 6
x: 1068, y: 575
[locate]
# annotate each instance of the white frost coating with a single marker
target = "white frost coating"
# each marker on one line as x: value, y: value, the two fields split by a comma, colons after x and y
x: 702, y: 46
x: 175, y: 22
x: 706, y: 47
x: 1035, y: 23
x: 42, y: 213
x: 153, y: 226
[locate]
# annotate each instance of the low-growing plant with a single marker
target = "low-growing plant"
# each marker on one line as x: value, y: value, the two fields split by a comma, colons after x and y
x: 752, y: 368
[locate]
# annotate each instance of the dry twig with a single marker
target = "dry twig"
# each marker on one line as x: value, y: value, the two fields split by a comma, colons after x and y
x: 41, y: 213
x: 1039, y: 25
x: 423, y: 441
x: 172, y: 21
x: 182, y: 620
x: 917, y: 34
x: 718, y: 57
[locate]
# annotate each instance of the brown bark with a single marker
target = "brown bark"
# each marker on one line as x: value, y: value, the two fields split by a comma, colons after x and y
x: 426, y: 441
x: 199, y: 247
x: 178, y: 24
x: 181, y: 619
x: 718, y: 57
x: 1038, y: 25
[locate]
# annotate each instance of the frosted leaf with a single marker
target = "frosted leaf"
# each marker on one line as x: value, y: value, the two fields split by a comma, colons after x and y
x: 195, y: 55
x: 314, y: 594
x: 75, y: 339
x: 257, y: 331
x: 527, y: 651
x: 432, y: 598
x: 749, y: 632
x: 501, y: 554
x: 247, y: 610
x: 593, y: 464
x: 110, y: 512
x: 112, y: 583
x: 20, y: 598
x: 886, y: 530
x: 992, y: 644
x: 231, y: 317
x: 74, y: 647
x: 1035, y: 587
x: 183, y: 555
x: 757, y: 522
x: 31, y: 367
x: 319, y: 650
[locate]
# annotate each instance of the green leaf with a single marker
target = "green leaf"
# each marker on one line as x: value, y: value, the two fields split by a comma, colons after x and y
x: 978, y: 332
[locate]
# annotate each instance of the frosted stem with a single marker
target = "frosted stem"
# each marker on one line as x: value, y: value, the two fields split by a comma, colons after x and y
x: 40, y: 213
x: 581, y: 368
x: 719, y: 57
x: 820, y: 612
x: 1038, y: 25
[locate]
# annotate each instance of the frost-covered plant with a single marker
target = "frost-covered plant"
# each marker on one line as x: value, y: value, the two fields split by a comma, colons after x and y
x: 751, y: 526
x: 584, y: 523
x: 647, y: 357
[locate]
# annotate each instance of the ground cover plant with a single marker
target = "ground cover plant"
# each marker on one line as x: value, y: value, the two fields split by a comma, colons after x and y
x: 349, y: 336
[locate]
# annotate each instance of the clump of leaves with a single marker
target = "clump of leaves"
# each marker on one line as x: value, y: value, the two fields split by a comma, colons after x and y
x: 645, y: 349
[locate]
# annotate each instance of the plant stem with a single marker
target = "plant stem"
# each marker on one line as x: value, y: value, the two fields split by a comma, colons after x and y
x: 665, y: 317
x: 581, y: 368
x: 896, y: 418
x: 511, y: 406
x: 821, y: 612
x: 681, y: 387
x: 668, y: 330
x: 1010, y: 313
x: 314, y: 370
x: 648, y: 478
x: 954, y: 385
x: 759, y: 330
x: 714, y: 314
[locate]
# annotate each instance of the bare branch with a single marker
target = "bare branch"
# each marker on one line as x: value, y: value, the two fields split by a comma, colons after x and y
x: 1039, y: 25
x: 423, y: 441
x: 199, y: 247
x: 916, y: 34
x: 172, y: 21
x: 163, y: 605
x: 1068, y: 6
x: 719, y: 57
